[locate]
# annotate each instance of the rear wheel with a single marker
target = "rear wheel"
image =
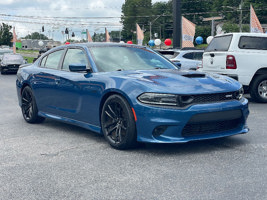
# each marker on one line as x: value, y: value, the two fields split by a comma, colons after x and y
x: 117, y: 123
x: 28, y: 107
x: 258, y: 89
x: 2, y: 71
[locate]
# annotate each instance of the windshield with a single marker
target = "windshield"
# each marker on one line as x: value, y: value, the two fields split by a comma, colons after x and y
x: 11, y: 57
x: 118, y: 58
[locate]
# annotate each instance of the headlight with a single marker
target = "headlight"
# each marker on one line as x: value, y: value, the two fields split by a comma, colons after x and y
x: 239, y: 94
x: 159, y: 99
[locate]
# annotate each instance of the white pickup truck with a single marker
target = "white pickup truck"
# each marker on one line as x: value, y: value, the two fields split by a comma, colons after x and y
x: 242, y: 56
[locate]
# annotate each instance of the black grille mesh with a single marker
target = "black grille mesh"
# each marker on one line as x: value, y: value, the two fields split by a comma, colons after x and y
x: 220, y: 122
x: 208, y: 98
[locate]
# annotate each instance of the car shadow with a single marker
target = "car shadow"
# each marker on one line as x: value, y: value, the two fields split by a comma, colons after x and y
x: 196, y: 147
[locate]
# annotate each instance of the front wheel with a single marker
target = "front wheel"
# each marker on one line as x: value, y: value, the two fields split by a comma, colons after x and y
x: 29, y: 107
x: 117, y: 123
x: 258, y: 89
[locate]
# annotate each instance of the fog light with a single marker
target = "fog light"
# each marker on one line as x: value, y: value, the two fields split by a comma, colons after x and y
x: 159, y: 130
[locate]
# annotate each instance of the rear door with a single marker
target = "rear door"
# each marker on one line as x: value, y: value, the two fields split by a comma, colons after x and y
x: 214, y: 57
x: 46, y: 82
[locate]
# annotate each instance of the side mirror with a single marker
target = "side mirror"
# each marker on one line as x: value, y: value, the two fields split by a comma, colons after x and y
x: 78, y: 68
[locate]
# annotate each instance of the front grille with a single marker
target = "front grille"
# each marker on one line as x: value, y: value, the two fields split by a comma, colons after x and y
x: 208, y: 98
x: 211, y: 123
x: 12, y: 67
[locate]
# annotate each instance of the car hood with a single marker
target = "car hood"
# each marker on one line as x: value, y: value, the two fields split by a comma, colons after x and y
x: 13, y: 61
x: 181, y: 81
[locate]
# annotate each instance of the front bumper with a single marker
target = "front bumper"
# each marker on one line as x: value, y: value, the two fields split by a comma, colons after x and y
x: 10, y: 68
x: 198, y: 122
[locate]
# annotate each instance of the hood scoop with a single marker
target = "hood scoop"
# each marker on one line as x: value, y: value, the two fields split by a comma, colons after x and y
x: 195, y: 75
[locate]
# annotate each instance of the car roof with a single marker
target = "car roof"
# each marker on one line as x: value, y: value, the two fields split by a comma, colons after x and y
x: 99, y: 44
x: 93, y: 44
x: 243, y: 34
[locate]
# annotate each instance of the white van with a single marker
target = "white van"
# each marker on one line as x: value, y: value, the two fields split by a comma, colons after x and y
x: 242, y: 56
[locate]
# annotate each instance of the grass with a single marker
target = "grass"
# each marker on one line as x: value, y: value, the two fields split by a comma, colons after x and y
x: 27, y: 51
x: 29, y: 59
x: 202, y: 46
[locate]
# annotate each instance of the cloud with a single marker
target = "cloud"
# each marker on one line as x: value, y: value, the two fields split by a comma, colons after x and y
x: 56, y: 15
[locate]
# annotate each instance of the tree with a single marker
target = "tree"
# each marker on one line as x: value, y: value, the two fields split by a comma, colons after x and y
x: 229, y: 27
x: 36, y: 36
x: 5, y: 34
x: 132, y: 10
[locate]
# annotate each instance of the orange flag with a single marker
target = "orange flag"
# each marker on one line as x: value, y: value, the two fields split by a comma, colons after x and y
x: 139, y: 35
x: 188, y: 32
x: 255, y: 25
x: 107, y: 35
x: 14, y: 40
x: 89, y: 38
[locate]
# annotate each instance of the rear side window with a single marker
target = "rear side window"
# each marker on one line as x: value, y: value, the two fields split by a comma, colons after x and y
x: 247, y: 42
x: 220, y: 43
x: 189, y: 56
x: 198, y: 55
x: 169, y: 54
x: 53, y: 59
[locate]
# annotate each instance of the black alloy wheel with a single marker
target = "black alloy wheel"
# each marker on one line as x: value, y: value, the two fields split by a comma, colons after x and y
x: 28, y: 106
x: 117, y: 123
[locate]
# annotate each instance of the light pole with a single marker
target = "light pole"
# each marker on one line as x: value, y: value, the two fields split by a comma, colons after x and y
x: 150, y: 25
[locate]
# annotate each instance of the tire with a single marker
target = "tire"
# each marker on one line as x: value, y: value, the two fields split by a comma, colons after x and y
x: 117, y: 123
x: 29, y: 107
x: 2, y: 71
x: 258, y: 89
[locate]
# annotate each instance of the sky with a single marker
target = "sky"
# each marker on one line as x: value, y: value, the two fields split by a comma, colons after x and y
x: 29, y: 16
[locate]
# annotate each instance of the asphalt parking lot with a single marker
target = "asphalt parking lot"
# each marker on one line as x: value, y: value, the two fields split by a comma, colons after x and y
x: 53, y: 160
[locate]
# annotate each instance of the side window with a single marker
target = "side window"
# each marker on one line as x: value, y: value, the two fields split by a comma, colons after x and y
x: 259, y: 43
x: 188, y: 56
x: 53, y: 59
x: 43, y: 62
x: 198, y: 55
x: 74, y: 56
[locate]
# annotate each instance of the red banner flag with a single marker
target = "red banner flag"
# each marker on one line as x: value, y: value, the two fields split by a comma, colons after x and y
x: 188, y: 32
x: 89, y: 38
x: 255, y: 25
x: 107, y: 35
x: 14, y: 40
x: 139, y: 35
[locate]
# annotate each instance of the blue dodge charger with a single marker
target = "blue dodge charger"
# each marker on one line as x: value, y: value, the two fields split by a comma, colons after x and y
x: 130, y: 94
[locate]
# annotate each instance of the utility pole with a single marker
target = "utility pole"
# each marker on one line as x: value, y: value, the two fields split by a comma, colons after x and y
x: 241, y: 16
x: 177, y: 23
x: 150, y: 26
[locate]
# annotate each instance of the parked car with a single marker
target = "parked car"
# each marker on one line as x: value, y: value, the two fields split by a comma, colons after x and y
x: 188, y: 58
x: 10, y: 62
x: 242, y: 56
x: 130, y: 94
x: 3, y: 51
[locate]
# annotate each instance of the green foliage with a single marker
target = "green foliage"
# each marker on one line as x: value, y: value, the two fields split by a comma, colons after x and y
x: 229, y: 27
x: 29, y: 59
x: 203, y: 31
x: 161, y: 16
x: 5, y: 34
x: 36, y: 36
x: 131, y: 12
